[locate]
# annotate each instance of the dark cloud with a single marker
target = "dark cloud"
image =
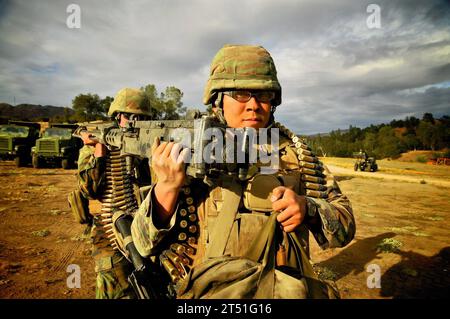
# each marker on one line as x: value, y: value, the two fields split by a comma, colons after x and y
x: 334, y: 70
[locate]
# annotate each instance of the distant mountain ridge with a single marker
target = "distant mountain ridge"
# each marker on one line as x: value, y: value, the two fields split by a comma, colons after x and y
x: 33, y: 112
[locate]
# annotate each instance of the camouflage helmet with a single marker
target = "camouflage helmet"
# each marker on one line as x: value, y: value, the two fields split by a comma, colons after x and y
x: 242, y: 67
x: 130, y: 100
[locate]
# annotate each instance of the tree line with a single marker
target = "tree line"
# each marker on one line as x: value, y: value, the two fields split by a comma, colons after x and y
x: 166, y: 105
x: 386, y: 140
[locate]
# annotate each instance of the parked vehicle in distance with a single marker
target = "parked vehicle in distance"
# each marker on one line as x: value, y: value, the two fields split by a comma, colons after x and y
x: 16, y: 140
x: 57, y: 146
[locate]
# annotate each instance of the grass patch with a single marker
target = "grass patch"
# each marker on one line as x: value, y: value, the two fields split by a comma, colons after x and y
x: 56, y: 212
x: 389, y: 245
x: 435, y: 218
x: 325, y: 273
x: 41, y: 233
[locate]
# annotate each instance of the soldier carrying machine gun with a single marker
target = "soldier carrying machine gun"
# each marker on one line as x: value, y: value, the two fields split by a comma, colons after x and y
x: 209, y: 158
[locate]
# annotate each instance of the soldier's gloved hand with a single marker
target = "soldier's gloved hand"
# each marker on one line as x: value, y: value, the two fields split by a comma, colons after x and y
x: 167, y: 162
x: 292, y: 207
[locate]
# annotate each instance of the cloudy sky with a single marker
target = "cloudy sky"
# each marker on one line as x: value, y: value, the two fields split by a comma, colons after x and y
x: 336, y: 69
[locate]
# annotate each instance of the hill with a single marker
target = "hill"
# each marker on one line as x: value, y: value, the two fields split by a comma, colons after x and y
x: 33, y: 112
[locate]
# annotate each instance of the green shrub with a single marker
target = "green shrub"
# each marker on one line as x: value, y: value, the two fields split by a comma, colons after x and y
x: 421, y: 159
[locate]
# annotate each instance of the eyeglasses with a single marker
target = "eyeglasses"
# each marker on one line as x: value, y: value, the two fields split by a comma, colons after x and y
x: 135, y: 117
x: 245, y: 96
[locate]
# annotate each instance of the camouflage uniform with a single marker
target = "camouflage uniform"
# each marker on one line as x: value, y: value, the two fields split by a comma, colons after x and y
x: 111, y: 266
x: 329, y: 213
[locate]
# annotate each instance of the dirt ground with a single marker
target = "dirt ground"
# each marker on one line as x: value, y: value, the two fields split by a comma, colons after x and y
x: 402, y: 235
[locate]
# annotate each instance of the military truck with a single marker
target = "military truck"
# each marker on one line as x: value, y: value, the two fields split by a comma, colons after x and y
x: 364, y: 162
x: 16, y: 140
x: 57, y: 146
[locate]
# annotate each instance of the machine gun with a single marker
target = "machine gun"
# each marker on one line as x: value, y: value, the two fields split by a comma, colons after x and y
x: 204, y: 135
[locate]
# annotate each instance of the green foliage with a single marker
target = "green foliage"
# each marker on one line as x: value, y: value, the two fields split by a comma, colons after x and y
x: 386, y: 141
x: 421, y: 159
x: 166, y: 105
x: 389, y: 245
x: 89, y: 107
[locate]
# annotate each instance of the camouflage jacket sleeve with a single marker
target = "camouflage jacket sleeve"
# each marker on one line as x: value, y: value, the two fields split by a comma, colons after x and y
x: 146, y: 236
x: 90, y: 172
x: 331, y: 220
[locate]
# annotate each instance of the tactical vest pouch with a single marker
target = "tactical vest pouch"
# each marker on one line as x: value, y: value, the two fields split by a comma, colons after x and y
x: 258, y: 191
x: 254, y: 275
x: 80, y: 207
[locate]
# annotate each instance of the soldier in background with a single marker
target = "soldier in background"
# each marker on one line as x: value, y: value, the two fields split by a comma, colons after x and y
x: 182, y: 220
x: 113, y: 180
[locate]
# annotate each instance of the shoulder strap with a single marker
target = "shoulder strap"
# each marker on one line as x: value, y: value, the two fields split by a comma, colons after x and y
x: 232, y: 191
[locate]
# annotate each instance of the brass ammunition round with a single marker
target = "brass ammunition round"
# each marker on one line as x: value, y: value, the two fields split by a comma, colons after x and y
x: 313, y: 179
x: 174, y: 258
x: 186, y: 190
x: 183, y: 224
x: 179, y: 249
x: 189, y: 250
x: 192, y: 217
x: 295, y: 139
x: 193, y: 229
x: 182, y: 236
x: 316, y: 194
x: 315, y: 186
x: 191, y: 209
x: 308, y: 165
x: 189, y: 200
x: 192, y: 241
x: 183, y: 212
x: 308, y: 171
x: 168, y: 266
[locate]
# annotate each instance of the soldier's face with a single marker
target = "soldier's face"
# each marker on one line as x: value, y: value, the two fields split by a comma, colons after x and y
x: 253, y: 113
x: 123, y: 120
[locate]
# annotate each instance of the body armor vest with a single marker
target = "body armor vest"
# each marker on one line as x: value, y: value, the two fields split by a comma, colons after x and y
x: 178, y: 259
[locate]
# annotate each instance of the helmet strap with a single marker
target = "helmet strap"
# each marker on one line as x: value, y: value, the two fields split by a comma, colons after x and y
x: 218, y: 104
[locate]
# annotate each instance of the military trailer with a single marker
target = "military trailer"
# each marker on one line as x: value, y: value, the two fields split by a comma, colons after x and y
x: 364, y: 162
x: 16, y: 140
x: 57, y: 146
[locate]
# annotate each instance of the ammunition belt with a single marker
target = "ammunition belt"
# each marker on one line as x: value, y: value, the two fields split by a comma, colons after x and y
x: 178, y: 259
x: 310, y: 167
x: 118, y: 194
